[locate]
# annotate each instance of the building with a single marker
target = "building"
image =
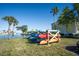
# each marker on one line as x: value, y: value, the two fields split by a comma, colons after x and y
x: 70, y: 29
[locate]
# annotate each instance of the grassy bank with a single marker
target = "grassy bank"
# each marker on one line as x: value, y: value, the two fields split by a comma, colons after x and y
x: 21, y: 47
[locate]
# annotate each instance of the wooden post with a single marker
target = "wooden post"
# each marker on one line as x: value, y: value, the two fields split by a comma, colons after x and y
x: 48, y: 36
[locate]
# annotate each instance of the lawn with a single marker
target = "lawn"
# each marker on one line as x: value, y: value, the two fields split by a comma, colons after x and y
x: 21, y: 47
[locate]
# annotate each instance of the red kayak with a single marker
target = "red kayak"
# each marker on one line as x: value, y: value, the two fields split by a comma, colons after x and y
x: 43, y: 36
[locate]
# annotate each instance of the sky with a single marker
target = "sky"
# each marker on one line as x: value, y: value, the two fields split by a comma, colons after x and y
x: 34, y: 15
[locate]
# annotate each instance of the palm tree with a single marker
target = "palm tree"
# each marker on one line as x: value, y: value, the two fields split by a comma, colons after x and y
x: 10, y: 20
x: 23, y: 29
x: 15, y: 22
x: 54, y: 11
x: 67, y: 17
x: 76, y: 8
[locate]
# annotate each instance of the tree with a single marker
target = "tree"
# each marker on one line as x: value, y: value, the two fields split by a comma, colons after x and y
x: 23, y: 29
x: 54, y: 11
x: 10, y: 20
x: 76, y: 8
x: 67, y: 17
x: 15, y: 22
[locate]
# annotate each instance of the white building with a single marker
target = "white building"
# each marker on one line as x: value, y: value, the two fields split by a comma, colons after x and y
x: 70, y: 29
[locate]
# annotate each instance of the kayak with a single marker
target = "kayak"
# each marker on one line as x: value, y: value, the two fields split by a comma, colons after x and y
x: 50, y: 41
x: 43, y: 36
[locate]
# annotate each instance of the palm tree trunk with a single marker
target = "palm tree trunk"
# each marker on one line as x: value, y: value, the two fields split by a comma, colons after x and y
x: 23, y: 35
x: 66, y: 28
x: 13, y: 32
x: 76, y: 26
x: 55, y: 22
x: 9, y: 32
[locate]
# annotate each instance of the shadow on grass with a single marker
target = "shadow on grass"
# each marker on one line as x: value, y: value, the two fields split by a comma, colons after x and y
x: 72, y: 49
x: 37, y: 42
x: 30, y: 42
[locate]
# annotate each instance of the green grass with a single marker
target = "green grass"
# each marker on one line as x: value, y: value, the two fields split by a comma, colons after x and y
x: 21, y: 47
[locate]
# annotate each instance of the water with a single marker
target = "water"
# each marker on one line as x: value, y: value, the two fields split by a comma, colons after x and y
x: 6, y: 36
